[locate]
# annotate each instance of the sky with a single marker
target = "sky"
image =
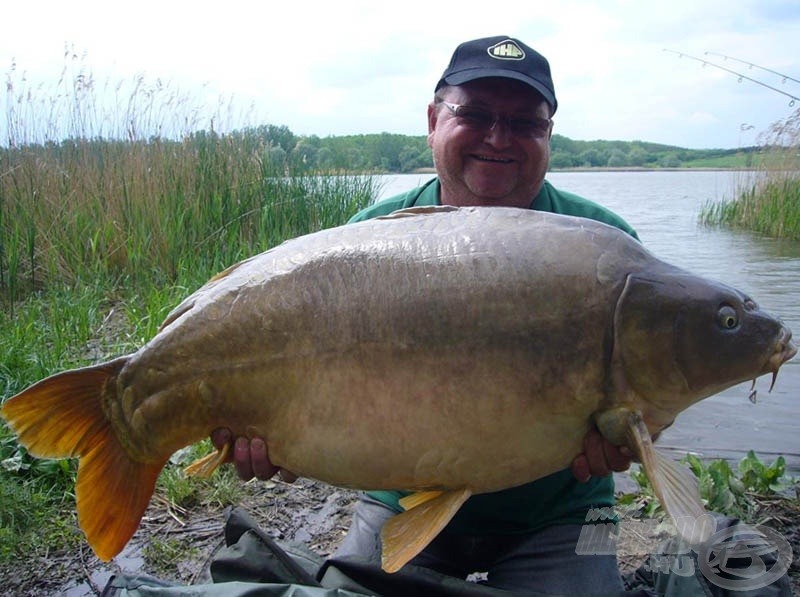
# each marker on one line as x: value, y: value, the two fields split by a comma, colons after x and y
x: 328, y: 67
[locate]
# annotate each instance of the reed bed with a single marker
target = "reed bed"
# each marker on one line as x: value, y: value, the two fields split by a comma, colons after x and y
x: 768, y: 199
x: 154, y: 212
x: 769, y: 206
x: 97, y: 185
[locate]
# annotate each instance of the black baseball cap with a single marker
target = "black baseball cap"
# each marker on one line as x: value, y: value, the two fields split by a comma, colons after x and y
x: 500, y: 56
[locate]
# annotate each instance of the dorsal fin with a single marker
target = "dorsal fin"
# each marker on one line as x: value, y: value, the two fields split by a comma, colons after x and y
x: 190, y: 301
x: 420, y: 210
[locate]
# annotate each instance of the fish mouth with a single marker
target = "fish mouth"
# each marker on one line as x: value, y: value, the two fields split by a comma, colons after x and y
x: 784, y: 350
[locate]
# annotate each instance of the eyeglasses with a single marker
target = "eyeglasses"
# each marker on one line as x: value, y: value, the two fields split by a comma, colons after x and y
x: 481, y: 119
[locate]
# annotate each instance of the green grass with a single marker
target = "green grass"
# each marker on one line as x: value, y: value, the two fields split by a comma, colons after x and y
x: 120, y: 201
x: 163, y: 555
x: 34, y: 521
x: 37, y: 507
x: 738, y: 161
x: 184, y: 491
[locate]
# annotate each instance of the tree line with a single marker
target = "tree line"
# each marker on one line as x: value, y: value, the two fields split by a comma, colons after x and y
x: 389, y: 152
x: 279, y: 150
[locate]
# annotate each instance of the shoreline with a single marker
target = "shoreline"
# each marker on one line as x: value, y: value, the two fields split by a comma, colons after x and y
x: 598, y: 169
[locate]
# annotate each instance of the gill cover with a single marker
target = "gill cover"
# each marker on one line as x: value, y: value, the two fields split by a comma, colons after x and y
x: 680, y: 338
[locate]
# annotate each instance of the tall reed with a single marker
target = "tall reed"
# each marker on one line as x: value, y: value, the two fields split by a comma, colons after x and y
x: 121, y: 202
x: 767, y: 200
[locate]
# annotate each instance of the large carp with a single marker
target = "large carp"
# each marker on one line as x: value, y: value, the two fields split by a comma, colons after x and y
x: 447, y: 351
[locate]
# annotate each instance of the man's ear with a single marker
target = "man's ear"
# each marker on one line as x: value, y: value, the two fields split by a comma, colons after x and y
x: 433, y: 114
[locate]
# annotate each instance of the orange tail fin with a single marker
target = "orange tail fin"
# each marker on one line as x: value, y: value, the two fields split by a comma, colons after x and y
x: 62, y: 417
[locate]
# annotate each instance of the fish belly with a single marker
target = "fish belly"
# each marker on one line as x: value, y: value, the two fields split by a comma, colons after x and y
x: 449, y: 423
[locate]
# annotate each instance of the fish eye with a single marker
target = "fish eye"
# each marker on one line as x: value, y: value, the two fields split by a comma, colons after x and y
x: 727, y: 317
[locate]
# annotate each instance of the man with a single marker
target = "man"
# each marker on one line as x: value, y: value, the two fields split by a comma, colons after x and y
x: 489, y: 127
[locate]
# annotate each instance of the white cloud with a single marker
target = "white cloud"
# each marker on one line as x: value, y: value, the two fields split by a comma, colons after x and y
x: 357, y: 67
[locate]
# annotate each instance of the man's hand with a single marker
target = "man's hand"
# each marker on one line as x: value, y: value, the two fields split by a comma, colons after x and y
x: 599, y: 458
x: 250, y: 457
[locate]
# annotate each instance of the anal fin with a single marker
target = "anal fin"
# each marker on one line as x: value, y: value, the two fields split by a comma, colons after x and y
x: 407, y: 534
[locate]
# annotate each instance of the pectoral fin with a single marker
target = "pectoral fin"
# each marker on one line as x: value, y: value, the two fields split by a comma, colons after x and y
x: 407, y: 534
x: 680, y: 497
x: 674, y: 487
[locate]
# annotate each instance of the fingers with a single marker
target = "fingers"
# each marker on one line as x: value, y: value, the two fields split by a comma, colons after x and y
x: 221, y: 437
x: 262, y: 466
x: 580, y: 468
x: 250, y: 457
x: 599, y: 458
x: 619, y: 458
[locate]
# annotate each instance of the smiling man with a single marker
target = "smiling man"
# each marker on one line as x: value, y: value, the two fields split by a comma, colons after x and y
x: 491, y: 142
x: 489, y: 126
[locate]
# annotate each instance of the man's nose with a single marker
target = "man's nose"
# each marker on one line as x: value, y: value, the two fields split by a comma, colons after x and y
x: 499, y: 134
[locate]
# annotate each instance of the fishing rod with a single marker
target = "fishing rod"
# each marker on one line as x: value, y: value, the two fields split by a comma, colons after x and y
x: 783, y: 77
x: 793, y: 98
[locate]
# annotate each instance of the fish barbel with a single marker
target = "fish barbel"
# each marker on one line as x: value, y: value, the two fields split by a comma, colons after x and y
x: 439, y: 350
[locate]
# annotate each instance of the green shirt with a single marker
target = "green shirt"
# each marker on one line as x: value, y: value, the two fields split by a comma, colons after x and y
x: 549, y: 199
x: 558, y: 498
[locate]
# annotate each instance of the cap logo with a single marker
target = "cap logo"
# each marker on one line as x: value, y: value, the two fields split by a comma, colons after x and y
x: 506, y: 50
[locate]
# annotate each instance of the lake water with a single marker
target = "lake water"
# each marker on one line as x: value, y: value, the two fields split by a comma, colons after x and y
x: 664, y: 209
